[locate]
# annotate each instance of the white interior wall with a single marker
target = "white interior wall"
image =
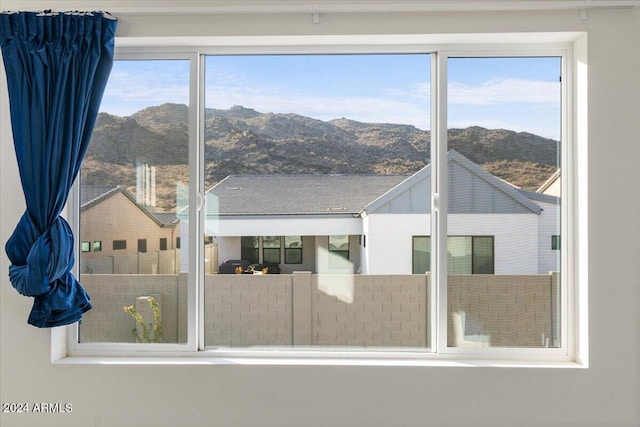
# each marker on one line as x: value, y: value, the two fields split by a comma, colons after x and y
x: 239, y: 394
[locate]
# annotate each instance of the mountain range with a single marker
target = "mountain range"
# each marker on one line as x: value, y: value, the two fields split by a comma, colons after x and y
x: 241, y: 140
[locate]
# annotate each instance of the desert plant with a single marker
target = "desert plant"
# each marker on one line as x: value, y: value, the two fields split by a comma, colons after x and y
x: 152, y: 332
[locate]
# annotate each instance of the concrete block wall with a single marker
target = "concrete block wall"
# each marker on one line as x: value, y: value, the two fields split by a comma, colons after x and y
x: 290, y: 310
x: 514, y: 311
x: 244, y: 310
x: 385, y: 311
x: 107, y: 321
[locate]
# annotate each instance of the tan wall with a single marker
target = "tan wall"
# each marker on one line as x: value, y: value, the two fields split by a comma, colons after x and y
x: 107, y: 321
x: 513, y: 311
x: 249, y: 310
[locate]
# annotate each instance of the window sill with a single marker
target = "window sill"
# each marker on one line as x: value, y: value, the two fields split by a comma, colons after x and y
x: 249, y: 359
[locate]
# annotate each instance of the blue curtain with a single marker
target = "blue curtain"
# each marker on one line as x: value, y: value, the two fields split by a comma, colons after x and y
x: 57, y: 66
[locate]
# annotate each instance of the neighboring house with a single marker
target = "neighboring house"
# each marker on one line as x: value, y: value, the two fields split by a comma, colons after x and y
x: 552, y: 185
x: 119, y: 235
x: 380, y: 224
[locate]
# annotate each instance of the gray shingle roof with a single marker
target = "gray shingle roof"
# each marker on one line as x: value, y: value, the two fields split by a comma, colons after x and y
x: 299, y: 194
x: 93, y: 193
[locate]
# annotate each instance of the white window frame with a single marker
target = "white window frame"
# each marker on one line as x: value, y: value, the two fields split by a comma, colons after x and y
x: 196, y: 246
x: 65, y: 345
x: 439, y: 190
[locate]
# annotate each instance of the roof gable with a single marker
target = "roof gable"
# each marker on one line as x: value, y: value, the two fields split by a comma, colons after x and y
x: 471, y: 189
x: 91, y: 195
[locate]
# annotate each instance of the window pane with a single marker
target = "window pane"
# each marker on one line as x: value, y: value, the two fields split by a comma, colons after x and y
x: 271, y: 242
x: 134, y: 183
x: 293, y: 242
x: 249, y: 249
x: 271, y: 256
x: 421, y: 254
x: 298, y: 146
x: 483, y: 255
x: 459, y: 255
x: 293, y: 256
x: 338, y: 243
x: 504, y: 150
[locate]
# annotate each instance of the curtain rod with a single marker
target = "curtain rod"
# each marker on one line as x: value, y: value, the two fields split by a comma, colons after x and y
x: 49, y: 12
x: 330, y: 6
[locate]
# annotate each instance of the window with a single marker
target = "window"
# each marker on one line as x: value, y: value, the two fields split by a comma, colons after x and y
x: 495, y: 194
x: 136, y: 178
x: 345, y: 154
x: 85, y: 246
x: 271, y: 249
x: 466, y: 254
x: 293, y: 249
x: 250, y: 249
x: 97, y: 246
x: 338, y: 251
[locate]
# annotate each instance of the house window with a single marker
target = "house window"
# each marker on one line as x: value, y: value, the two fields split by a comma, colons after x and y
x: 466, y: 254
x: 271, y: 249
x: 97, y: 246
x: 163, y: 243
x: 250, y: 249
x: 421, y: 253
x: 293, y: 249
x: 119, y: 245
x: 353, y: 156
x: 85, y: 246
x: 555, y: 243
x: 339, y: 251
x: 142, y: 245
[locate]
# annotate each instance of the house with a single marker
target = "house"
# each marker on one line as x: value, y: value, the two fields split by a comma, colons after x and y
x: 379, y: 224
x: 150, y: 244
x: 552, y: 185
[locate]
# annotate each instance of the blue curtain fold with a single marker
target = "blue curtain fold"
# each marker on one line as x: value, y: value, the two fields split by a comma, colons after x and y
x: 57, y: 66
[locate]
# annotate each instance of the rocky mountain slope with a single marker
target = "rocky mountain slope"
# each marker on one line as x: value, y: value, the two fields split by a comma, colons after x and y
x: 241, y: 140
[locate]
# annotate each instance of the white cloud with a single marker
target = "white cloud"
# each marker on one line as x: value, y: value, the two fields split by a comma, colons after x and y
x: 505, y: 91
x: 128, y: 92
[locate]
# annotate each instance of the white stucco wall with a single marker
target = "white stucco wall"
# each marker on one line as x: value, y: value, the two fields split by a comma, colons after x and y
x: 549, y: 225
x: 389, y: 240
x: 240, y: 393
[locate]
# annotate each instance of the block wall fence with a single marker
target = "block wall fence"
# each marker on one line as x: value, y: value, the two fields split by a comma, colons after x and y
x: 292, y: 310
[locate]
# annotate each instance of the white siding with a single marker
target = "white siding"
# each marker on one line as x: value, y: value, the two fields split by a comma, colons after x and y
x: 548, y: 259
x: 389, y: 240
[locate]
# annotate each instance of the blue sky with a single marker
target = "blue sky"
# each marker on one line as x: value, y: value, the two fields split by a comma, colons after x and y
x: 521, y: 94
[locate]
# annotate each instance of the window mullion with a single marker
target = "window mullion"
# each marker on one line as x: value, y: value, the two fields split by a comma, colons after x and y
x: 196, y: 264
x: 439, y: 202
